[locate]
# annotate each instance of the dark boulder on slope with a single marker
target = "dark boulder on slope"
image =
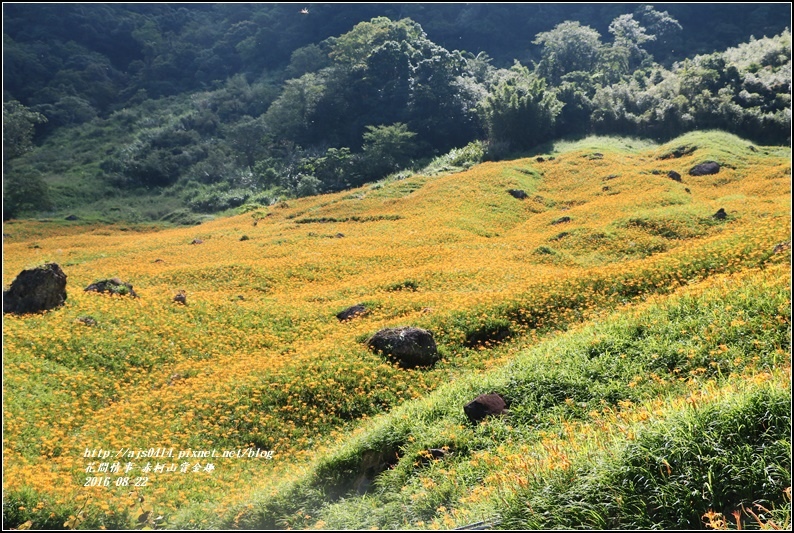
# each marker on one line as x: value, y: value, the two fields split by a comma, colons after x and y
x: 483, y: 406
x: 705, y: 168
x: 35, y: 290
x: 409, y: 347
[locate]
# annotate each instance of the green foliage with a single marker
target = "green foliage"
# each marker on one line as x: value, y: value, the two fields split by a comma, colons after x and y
x: 291, y: 116
x: 18, y: 129
x: 354, y: 47
x: 248, y: 138
x: 708, y: 91
x: 569, y: 47
x: 337, y: 169
x: 382, y: 72
x: 236, y: 121
x: 217, y: 198
x: 737, y: 453
x: 23, y: 194
x: 519, y: 110
x: 309, y: 58
x: 308, y: 186
x: 630, y: 35
x: 387, y: 148
x: 457, y: 159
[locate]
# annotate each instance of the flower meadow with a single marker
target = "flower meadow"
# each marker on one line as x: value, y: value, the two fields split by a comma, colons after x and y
x: 606, y: 303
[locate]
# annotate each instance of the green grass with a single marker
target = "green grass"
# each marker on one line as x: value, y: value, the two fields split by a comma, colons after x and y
x: 728, y: 451
x: 729, y: 454
x: 655, y: 306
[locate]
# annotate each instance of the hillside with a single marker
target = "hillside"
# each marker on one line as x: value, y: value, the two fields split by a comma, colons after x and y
x: 159, y: 113
x: 625, y: 323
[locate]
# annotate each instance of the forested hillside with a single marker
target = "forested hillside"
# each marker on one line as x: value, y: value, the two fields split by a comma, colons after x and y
x: 172, y: 112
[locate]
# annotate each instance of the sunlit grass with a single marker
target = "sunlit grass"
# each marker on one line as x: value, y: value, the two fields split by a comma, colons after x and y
x: 258, y: 359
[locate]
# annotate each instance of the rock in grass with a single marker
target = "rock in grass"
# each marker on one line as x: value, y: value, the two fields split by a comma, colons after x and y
x: 483, y: 406
x: 410, y: 347
x: 432, y: 454
x: 351, y: 312
x: 35, y: 290
x: 113, y: 286
x: 518, y: 193
x: 705, y: 168
x: 673, y: 175
x: 87, y: 320
x: 720, y: 215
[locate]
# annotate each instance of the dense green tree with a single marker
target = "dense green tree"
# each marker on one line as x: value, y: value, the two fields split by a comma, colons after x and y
x: 291, y: 116
x: 387, y: 148
x: 248, y: 138
x: 575, y: 96
x: 631, y: 36
x: 382, y: 72
x: 24, y: 193
x: 309, y: 58
x: 337, y: 169
x: 519, y: 111
x: 19, y: 125
x: 661, y: 26
x: 716, y: 90
x: 569, y: 47
x: 354, y: 47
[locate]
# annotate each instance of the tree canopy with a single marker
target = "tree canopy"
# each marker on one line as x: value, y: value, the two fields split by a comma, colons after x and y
x: 226, y: 104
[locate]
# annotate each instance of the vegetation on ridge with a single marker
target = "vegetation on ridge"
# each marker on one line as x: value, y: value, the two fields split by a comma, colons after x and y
x: 179, y: 135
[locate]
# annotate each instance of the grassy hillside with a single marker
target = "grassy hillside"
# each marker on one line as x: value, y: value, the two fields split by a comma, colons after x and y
x: 643, y: 344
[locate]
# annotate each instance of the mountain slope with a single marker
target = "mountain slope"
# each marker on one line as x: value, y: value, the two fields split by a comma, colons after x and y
x: 258, y: 360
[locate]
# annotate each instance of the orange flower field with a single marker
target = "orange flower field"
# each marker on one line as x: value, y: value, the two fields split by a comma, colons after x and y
x: 126, y: 423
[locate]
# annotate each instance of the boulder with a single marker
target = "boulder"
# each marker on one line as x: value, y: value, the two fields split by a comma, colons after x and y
x: 433, y: 454
x: 373, y: 462
x: 561, y: 220
x: 351, y: 312
x: 679, y: 151
x: 410, y: 347
x: 37, y: 289
x: 518, y: 193
x: 705, y: 168
x: 87, y: 320
x: 673, y: 175
x: 483, y: 406
x: 113, y: 286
